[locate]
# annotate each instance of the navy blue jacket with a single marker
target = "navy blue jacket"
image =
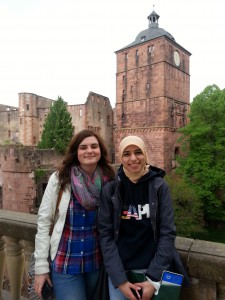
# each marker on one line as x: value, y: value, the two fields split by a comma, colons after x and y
x: 162, y: 221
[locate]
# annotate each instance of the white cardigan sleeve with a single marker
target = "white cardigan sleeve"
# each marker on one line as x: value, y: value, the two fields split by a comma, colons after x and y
x: 45, y: 219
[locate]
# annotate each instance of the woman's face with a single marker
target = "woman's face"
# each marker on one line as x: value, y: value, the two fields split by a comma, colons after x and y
x: 89, y: 152
x: 133, y: 159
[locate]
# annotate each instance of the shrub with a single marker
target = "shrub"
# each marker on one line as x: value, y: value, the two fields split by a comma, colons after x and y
x: 188, y: 208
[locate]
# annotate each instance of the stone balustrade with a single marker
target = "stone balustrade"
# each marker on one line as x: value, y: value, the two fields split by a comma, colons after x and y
x: 205, y: 261
x: 17, y: 232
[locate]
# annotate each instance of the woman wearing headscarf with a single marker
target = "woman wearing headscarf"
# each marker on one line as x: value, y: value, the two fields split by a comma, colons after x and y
x: 136, y: 224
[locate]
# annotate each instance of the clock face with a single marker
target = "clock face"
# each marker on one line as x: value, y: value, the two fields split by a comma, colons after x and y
x: 176, y: 58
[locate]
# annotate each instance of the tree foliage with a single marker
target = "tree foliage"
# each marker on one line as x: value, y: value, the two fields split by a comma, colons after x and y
x: 58, y: 128
x: 188, y: 213
x: 203, y: 141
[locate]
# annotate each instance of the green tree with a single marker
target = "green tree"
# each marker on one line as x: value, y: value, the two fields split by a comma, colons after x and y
x: 188, y: 212
x: 203, y: 141
x: 58, y: 128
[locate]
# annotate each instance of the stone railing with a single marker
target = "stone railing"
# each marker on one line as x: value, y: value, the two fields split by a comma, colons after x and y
x: 205, y: 261
x: 17, y: 232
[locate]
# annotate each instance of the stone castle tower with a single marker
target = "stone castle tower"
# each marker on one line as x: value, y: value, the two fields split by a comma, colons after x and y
x: 153, y: 92
x: 152, y: 101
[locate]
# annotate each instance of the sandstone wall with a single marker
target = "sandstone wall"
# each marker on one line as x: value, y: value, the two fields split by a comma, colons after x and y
x: 20, y: 189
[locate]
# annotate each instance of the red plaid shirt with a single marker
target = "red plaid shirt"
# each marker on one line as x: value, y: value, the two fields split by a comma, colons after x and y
x: 79, y: 248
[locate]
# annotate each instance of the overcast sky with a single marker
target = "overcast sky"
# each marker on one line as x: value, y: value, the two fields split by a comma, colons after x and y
x: 66, y: 47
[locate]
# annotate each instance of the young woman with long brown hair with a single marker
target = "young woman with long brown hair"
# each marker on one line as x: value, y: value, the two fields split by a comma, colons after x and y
x: 74, y: 246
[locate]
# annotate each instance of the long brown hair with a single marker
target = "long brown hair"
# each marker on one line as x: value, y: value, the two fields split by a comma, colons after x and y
x: 71, y: 157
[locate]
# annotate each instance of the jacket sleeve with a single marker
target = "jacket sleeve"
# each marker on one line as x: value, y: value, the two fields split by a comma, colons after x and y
x: 45, y: 219
x: 107, y: 221
x: 166, y: 234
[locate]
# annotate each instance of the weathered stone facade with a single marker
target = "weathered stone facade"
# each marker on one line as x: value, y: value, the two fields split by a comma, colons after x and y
x: 8, y: 124
x: 21, y: 191
x: 33, y: 110
x: 153, y: 92
x: 24, y: 125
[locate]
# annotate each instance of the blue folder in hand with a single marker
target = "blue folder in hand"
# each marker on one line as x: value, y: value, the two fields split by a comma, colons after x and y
x: 170, y: 288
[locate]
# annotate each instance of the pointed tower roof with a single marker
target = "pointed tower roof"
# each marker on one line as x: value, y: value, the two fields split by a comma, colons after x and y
x: 152, y: 32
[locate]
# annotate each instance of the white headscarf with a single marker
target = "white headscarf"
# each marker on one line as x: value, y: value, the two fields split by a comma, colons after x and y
x: 134, y: 140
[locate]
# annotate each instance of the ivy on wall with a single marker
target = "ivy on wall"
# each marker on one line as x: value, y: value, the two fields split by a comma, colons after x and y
x: 39, y: 173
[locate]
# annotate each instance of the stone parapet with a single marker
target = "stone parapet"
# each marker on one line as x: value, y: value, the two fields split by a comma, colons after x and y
x: 204, y: 261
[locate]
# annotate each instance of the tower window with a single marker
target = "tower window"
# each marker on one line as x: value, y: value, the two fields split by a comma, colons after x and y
x: 177, y: 151
x: 27, y: 107
x: 126, y: 56
x: 137, y: 53
x: 147, y: 86
x: 151, y: 48
x: 143, y: 38
x: 131, y: 88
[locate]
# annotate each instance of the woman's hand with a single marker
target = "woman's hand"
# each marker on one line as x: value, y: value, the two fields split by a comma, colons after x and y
x: 39, y: 281
x: 148, y: 289
x: 126, y: 289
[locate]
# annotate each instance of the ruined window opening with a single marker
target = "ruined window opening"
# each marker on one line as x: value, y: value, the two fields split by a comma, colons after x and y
x: 151, y: 48
x: 177, y: 151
